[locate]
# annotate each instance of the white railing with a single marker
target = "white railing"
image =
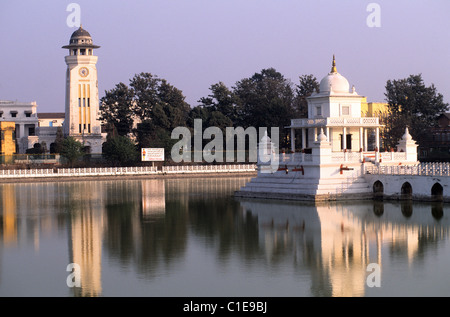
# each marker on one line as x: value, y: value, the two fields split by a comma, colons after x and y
x: 209, y: 168
x: 423, y: 169
x: 137, y: 170
x: 335, y: 121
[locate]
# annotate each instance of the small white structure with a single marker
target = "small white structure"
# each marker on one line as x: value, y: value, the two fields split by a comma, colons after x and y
x: 335, y: 150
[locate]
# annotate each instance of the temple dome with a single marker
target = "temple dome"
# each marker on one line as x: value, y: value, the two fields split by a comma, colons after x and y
x: 334, y: 82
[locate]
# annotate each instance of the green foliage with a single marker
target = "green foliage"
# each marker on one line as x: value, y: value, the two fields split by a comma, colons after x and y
x: 151, y: 104
x: 222, y: 100
x: 116, y: 109
x: 36, y: 149
x: 265, y: 100
x: 120, y: 150
x: 411, y: 104
x: 56, y: 146
x: 307, y: 85
x: 71, y: 150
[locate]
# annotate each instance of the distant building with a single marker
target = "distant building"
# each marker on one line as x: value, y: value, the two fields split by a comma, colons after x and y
x: 437, y: 146
x: 80, y: 119
x: 51, y: 119
x: 373, y: 109
x: 8, y: 140
x: 25, y: 119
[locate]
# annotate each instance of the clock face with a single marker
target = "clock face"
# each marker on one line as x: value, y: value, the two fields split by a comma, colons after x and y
x: 84, y: 72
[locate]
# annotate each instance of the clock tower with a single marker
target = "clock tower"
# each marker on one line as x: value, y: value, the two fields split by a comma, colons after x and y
x: 82, y: 102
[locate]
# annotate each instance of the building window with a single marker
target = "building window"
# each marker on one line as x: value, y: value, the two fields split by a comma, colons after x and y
x: 79, y: 102
x: 13, y: 114
x: 27, y: 114
x: 318, y: 111
x: 31, y: 131
x: 79, y: 128
x: 345, y: 110
x: 1, y: 114
x: 89, y: 128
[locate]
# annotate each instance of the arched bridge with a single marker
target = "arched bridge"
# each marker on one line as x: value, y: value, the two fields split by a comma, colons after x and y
x: 425, y: 181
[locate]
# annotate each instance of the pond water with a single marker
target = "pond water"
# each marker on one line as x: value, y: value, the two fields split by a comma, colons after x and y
x: 191, y: 237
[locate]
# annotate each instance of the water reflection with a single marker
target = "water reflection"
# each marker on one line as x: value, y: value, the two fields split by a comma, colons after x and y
x: 153, y: 227
x: 338, y: 241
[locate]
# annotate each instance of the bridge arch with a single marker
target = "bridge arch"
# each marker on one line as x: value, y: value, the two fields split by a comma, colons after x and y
x: 437, y: 192
x: 378, y: 190
x: 406, y: 191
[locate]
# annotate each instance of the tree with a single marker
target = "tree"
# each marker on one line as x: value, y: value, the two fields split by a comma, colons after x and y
x: 71, y: 150
x: 222, y: 100
x: 116, y: 109
x: 150, y: 108
x: 145, y: 94
x: 160, y: 108
x: 36, y: 149
x: 56, y: 146
x: 308, y: 84
x: 265, y: 100
x: 411, y: 104
x: 120, y: 150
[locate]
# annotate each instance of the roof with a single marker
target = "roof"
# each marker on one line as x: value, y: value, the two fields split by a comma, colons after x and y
x: 80, y: 39
x: 51, y: 115
x: 80, y: 32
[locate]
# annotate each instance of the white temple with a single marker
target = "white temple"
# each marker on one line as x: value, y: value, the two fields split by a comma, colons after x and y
x: 335, y: 150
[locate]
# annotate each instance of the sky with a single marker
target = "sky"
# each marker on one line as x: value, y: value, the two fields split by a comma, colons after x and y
x: 194, y: 44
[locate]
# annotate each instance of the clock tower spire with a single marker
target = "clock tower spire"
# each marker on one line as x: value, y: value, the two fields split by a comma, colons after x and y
x: 82, y: 101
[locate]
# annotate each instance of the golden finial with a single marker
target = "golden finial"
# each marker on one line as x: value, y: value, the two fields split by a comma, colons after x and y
x: 333, y: 68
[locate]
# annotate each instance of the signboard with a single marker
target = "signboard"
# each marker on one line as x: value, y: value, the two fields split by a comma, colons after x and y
x: 152, y: 154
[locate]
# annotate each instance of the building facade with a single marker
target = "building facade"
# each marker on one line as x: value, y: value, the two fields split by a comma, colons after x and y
x: 24, y: 116
x: 7, y: 141
x: 51, y: 119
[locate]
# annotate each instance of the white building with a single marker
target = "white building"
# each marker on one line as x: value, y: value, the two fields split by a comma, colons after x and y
x: 25, y: 117
x: 335, y: 150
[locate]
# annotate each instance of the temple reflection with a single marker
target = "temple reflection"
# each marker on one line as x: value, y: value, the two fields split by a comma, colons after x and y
x: 338, y: 241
